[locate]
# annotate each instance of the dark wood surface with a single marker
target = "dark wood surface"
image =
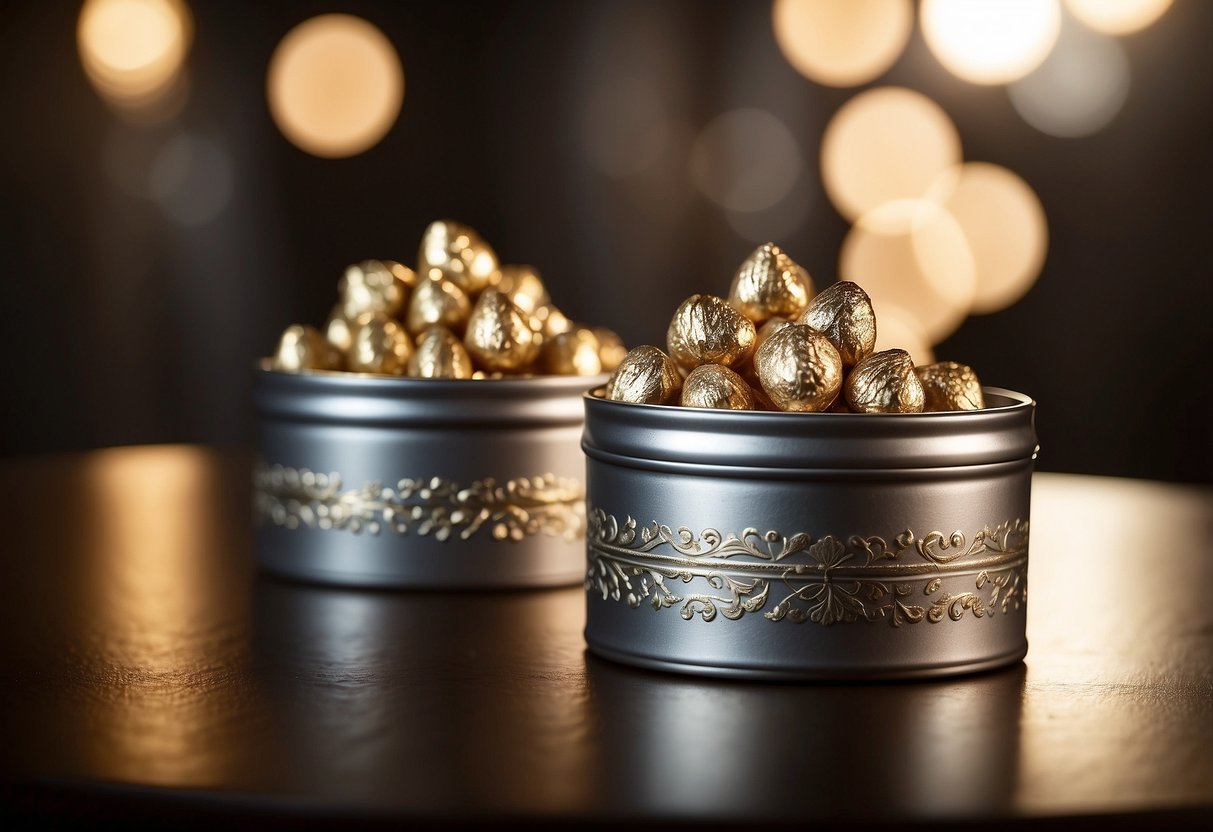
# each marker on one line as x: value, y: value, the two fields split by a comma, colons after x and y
x: 150, y: 674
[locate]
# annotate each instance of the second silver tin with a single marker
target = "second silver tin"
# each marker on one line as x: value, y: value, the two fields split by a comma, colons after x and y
x: 808, y: 546
x: 401, y: 482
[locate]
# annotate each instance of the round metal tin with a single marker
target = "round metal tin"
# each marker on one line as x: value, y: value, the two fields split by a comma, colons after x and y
x: 808, y: 546
x: 400, y: 482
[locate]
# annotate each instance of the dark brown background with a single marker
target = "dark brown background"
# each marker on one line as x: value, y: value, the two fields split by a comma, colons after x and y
x: 122, y: 327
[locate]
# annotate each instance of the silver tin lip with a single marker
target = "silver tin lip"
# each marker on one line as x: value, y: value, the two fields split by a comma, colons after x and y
x: 663, y: 437
x: 365, y: 399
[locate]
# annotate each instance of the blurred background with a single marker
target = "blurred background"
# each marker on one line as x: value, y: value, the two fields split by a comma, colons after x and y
x: 1023, y: 186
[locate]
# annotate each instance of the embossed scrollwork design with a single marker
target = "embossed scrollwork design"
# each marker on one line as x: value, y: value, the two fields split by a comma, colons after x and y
x: 511, y: 510
x: 825, y: 581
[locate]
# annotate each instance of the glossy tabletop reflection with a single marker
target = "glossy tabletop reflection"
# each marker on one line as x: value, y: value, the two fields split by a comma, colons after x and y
x: 147, y: 664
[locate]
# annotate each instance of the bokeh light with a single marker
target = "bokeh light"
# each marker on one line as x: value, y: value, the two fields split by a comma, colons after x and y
x: 990, y: 41
x: 192, y: 179
x: 1079, y: 88
x: 897, y: 329
x: 842, y: 43
x: 1118, y: 17
x: 745, y: 160
x: 901, y: 216
x: 133, y: 50
x: 926, y: 270
x: 335, y: 85
x: 885, y: 144
x: 1004, y: 225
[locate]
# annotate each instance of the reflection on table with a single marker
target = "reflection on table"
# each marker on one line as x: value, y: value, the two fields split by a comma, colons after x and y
x: 145, y: 650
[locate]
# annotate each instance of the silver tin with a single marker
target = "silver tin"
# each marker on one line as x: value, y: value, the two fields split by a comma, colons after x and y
x: 399, y: 482
x: 808, y: 546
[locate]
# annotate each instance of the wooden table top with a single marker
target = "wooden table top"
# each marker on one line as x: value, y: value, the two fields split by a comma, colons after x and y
x: 149, y: 673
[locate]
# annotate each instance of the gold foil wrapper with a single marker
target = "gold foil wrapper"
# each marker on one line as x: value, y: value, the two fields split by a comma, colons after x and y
x: 747, y: 370
x: 439, y: 353
x: 437, y: 301
x: 884, y: 382
x: 547, y: 320
x: 645, y: 376
x: 572, y: 353
x: 499, y: 335
x: 948, y: 385
x: 459, y: 253
x: 799, y: 369
x: 404, y: 275
x: 768, y: 329
x: 380, y: 345
x: 386, y: 315
x: 839, y: 405
x: 761, y: 400
x: 523, y: 286
x: 611, y: 349
x: 498, y: 375
x: 705, y: 329
x: 374, y: 287
x: 302, y: 347
x: 338, y: 330
x: 715, y: 386
x: 844, y: 313
x: 770, y: 283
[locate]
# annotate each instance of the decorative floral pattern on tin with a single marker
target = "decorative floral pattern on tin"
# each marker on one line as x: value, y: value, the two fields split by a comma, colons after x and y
x: 825, y: 581
x: 512, y: 510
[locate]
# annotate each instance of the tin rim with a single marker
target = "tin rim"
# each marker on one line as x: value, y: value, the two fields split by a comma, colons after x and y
x: 369, y: 399
x: 667, y: 436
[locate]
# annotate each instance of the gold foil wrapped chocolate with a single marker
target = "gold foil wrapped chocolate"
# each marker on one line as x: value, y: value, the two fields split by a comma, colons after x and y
x: 572, y: 353
x: 840, y: 403
x: 523, y: 286
x: 380, y: 345
x: 386, y: 315
x: 884, y: 382
x: 844, y: 313
x: 437, y: 301
x: 716, y: 386
x: 338, y: 330
x: 809, y: 353
x: 768, y: 329
x: 499, y: 335
x: 302, y: 347
x: 547, y: 320
x: 375, y: 287
x: 611, y: 349
x: 459, y: 253
x: 645, y: 376
x: 770, y: 283
x: 947, y: 385
x: 404, y: 275
x: 439, y: 353
x: 705, y: 329
x: 746, y: 370
x: 761, y: 400
x: 799, y: 369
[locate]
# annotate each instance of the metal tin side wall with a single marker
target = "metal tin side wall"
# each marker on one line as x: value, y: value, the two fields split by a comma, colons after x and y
x: 407, y: 483
x: 801, y: 566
